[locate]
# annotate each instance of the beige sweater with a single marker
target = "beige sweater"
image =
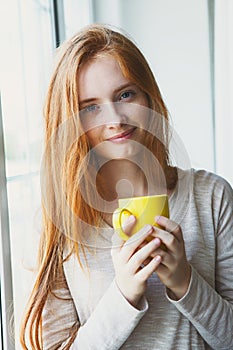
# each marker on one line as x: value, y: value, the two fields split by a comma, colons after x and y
x: 203, y: 319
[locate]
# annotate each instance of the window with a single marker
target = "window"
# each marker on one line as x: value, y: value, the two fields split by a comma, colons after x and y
x: 27, y: 46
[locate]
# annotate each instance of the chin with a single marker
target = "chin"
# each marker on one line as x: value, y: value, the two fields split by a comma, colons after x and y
x: 126, y: 151
x: 119, y: 156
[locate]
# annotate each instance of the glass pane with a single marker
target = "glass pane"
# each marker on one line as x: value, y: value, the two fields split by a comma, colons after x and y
x: 25, y: 221
x: 77, y: 14
x: 27, y: 45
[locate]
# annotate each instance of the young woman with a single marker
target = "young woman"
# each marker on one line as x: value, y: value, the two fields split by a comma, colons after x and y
x: 107, y: 136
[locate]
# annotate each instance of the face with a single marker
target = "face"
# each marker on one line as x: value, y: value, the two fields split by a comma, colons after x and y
x: 113, y: 110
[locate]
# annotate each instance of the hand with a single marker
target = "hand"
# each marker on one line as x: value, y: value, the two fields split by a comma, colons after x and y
x: 128, y: 258
x: 174, y: 271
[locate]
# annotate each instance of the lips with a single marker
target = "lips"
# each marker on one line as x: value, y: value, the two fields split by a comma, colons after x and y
x: 123, y: 136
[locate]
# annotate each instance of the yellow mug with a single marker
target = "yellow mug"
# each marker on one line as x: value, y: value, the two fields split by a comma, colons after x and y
x: 143, y: 208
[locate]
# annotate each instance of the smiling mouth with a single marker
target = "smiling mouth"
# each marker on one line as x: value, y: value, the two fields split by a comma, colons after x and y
x: 123, y: 136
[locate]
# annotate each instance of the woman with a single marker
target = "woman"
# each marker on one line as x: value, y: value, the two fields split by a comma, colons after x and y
x: 107, y: 136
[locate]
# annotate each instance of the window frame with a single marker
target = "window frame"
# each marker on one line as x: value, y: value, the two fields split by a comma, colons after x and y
x: 6, y: 287
x: 7, y: 339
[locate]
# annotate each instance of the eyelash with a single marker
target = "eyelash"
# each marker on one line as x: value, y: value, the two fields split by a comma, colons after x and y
x: 91, y: 109
x: 95, y: 107
x: 130, y: 94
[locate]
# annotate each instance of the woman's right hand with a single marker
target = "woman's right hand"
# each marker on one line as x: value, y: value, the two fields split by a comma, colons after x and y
x: 128, y: 257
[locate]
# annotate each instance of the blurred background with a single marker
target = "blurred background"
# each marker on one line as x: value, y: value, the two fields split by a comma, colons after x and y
x: 189, y: 45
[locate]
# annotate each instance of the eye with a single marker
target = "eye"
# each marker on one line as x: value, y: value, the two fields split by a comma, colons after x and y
x: 127, y: 95
x: 91, y: 109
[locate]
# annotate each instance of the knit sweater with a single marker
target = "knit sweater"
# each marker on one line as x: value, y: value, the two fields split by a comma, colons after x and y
x: 202, y: 204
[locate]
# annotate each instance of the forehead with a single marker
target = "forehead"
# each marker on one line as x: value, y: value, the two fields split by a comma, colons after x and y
x: 99, y: 77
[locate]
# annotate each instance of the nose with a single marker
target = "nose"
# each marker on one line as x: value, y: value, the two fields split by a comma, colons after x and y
x: 114, y: 115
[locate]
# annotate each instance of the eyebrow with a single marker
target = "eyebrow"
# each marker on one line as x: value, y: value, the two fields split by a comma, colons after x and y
x: 93, y: 99
x: 87, y: 100
x: 123, y: 86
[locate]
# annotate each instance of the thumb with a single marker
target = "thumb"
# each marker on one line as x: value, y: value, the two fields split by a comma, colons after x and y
x: 128, y: 225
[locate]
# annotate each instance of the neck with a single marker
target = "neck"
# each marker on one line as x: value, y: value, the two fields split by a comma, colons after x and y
x: 123, y: 178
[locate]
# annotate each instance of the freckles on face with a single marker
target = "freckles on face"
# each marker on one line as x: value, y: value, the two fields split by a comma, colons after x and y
x: 107, y: 99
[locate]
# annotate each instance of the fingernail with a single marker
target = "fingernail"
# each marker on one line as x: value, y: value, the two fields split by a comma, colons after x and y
x: 157, y: 218
x: 130, y: 219
x: 157, y: 240
x: 157, y: 258
x: 147, y: 228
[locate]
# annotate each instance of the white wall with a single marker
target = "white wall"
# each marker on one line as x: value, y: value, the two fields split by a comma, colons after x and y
x: 224, y: 88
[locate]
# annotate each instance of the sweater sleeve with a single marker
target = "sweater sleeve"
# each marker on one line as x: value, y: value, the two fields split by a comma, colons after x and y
x: 108, y: 327
x: 209, y: 309
x: 111, y: 323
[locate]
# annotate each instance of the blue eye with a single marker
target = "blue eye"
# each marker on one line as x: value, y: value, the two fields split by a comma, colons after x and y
x: 127, y: 95
x: 92, y: 109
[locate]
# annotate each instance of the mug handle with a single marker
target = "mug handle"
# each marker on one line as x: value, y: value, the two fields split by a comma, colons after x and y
x: 119, y: 216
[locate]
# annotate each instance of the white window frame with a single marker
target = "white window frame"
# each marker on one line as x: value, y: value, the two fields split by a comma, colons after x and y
x: 7, y: 307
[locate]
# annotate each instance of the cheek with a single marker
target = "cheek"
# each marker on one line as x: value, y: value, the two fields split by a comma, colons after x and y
x: 145, y: 101
x: 142, y: 118
x: 93, y: 137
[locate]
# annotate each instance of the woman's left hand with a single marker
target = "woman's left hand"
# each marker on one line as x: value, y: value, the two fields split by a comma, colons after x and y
x: 174, y: 271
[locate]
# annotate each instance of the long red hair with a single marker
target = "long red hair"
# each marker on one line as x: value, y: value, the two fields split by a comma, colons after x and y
x: 65, y: 165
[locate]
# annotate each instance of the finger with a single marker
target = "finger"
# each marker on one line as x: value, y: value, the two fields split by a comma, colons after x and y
x: 168, y: 259
x: 151, y: 267
x: 148, y: 260
x: 132, y: 244
x: 169, y: 226
x: 170, y: 240
x: 162, y: 269
x: 128, y: 225
x: 138, y: 258
x: 137, y: 239
x: 158, y: 251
